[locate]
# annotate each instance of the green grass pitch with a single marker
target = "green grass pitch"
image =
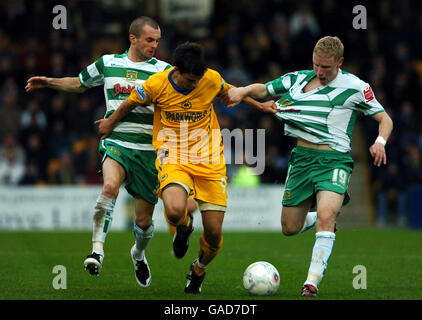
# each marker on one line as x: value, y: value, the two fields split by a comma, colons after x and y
x: 392, y: 258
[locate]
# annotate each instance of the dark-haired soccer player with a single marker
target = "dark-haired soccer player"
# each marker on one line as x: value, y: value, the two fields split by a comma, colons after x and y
x: 128, y: 154
x: 189, y: 149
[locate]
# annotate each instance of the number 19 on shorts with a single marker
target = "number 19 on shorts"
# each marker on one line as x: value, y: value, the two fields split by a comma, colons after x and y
x: 340, y: 176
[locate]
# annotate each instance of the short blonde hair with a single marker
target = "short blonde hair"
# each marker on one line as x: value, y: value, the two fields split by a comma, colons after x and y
x: 329, y: 47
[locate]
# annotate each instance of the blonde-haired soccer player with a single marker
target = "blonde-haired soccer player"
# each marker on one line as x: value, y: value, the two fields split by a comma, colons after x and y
x: 190, y: 160
x: 319, y: 108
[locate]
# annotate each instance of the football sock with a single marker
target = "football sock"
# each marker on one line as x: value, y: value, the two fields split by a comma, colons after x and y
x: 98, y: 247
x: 172, y: 229
x: 185, y: 222
x: 103, y: 215
x: 205, y: 255
x: 171, y: 226
x: 310, y: 221
x: 143, y: 237
x: 320, y: 256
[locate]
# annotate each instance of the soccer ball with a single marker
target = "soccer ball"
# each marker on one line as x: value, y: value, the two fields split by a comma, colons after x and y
x: 261, y: 279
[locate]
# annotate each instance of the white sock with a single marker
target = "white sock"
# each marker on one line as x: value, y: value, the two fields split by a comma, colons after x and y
x: 103, y: 216
x: 320, y: 256
x: 143, y: 237
x: 98, y: 248
x: 310, y: 221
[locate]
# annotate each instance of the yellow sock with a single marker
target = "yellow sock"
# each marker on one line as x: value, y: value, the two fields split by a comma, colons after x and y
x: 172, y: 226
x: 206, y: 254
x: 185, y: 222
x: 172, y: 229
x: 199, y: 271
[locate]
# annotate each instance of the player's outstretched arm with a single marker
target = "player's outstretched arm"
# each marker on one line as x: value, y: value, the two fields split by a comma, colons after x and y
x: 377, y: 150
x: 267, y: 106
x: 67, y: 84
x: 236, y: 95
x: 106, y: 126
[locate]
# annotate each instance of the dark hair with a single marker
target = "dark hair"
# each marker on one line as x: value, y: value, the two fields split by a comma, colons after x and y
x: 137, y: 25
x: 189, y: 58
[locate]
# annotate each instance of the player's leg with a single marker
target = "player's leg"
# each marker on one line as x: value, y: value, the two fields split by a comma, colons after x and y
x: 143, y: 229
x: 175, y: 196
x: 328, y: 207
x: 210, y: 243
x: 192, y: 206
x: 141, y: 183
x: 113, y: 177
x: 175, y: 186
x: 331, y: 182
x: 211, y: 195
x: 297, y: 197
x: 297, y: 219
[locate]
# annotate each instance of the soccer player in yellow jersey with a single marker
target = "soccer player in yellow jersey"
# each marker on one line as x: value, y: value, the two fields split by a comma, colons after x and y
x: 187, y: 138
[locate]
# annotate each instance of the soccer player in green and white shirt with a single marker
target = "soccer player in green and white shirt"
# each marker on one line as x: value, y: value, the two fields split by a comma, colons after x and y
x: 128, y: 154
x: 319, y: 108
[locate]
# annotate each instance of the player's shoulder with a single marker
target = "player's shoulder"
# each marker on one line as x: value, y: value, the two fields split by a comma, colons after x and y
x: 212, y: 74
x: 349, y: 80
x: 213, y: 77
x: 160, y: 77
x: 160, y: 65
x: 304, y: 72
x: 112, y: 59
x: 299, y: 74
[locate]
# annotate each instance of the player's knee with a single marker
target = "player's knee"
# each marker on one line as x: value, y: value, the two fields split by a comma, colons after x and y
x: 110, y: 190
x: 143, y: 221
x: 175, y: 212
x: 326, y: 219
x: 288, y: 229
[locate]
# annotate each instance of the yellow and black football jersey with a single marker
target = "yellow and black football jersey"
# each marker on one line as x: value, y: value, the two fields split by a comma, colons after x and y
x: 186, y: 128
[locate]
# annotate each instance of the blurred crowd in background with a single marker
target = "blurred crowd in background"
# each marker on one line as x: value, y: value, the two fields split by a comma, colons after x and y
x: 48, y: 137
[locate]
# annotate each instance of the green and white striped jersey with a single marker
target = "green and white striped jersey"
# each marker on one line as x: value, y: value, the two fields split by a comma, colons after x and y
x: 325, y: 115
x: 119, y: 75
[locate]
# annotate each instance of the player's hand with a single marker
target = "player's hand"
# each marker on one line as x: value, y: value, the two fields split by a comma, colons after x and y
x: 36, y: 82
x: 269, y: 106
x: 377, y: 151
x: 233, y: 97
x: 105, y: 128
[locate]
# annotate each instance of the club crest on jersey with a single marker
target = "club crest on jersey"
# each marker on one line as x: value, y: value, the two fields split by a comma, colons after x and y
x: 186, y: 105
x: 369, y: 95
x: 131, y: 75
x: 285, y: 103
